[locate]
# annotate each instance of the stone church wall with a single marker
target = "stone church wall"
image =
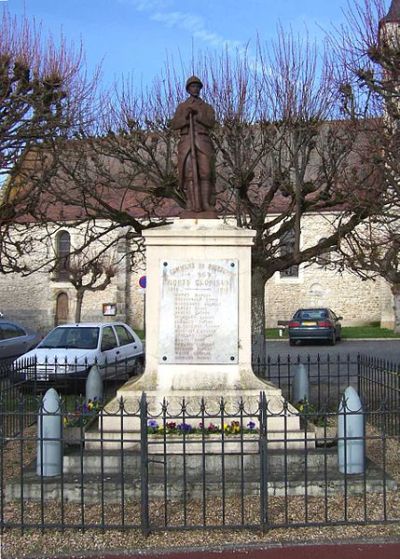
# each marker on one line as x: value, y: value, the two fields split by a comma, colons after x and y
x: 32, y: 300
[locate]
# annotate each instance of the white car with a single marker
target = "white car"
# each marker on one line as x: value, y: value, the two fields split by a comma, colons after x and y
x: 64, y: 357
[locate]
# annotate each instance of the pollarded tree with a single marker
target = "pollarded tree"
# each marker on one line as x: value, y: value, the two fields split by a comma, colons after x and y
x: 42, y: 89
x: 288, y: 153
x: 91, y: 272
x: 373, y: 250
x: 369, y: 48
x: 44, y: 93
x: 284, y: 152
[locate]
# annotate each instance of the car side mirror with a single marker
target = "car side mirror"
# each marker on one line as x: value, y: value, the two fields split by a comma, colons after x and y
x: 339, y: 317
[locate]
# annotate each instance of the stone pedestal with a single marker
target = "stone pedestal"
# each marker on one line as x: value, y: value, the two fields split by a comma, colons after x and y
x: 198, y: 311
x: 198, y: 327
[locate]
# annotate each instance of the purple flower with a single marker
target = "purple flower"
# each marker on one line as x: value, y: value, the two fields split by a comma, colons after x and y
x: 251, y: 425
x: 152, y: 423
x: 184, y: 427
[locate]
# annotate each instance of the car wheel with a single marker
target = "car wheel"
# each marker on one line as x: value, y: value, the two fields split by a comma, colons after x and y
x: 138, y: 369
x: 292, y: 342
x: 333, y: 339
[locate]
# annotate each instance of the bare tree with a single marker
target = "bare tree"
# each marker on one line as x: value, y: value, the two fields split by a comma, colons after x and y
x: 368, y: 45
x: 90, y: 272
x: 44, y: 93
x: 372, y: 250
x: 288, y: 152
x: 284, y: 151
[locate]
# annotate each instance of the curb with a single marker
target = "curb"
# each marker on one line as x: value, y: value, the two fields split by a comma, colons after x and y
x: 353, y: 546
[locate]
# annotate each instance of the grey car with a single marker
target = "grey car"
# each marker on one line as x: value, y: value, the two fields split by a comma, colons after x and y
x: 315, y: 324
x: 15, y: 339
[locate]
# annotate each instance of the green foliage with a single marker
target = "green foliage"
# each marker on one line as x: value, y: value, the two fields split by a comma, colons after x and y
x: 309, y: 413
x: 368, y: 331
x: 82, y: 414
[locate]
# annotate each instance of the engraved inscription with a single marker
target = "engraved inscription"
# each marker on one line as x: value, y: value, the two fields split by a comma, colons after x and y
x: 199, y: 311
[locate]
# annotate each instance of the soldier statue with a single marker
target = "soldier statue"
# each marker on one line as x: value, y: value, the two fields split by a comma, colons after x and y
x: 194, y: 118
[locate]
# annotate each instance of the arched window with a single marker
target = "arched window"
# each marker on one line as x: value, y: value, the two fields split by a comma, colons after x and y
x: 63, y: 254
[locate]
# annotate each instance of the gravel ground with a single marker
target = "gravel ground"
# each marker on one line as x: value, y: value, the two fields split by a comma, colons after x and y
x: 34, y: 543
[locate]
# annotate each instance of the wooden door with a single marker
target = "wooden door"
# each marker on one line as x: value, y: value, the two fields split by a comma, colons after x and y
x: 61, y: 309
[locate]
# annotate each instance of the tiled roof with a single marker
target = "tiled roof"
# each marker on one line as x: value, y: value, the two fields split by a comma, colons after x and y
x: 121, y: 203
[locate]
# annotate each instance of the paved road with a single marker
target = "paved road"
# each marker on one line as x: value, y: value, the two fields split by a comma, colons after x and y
x: 328, y: 377
x: 385, y: 349
x: 330, y: 551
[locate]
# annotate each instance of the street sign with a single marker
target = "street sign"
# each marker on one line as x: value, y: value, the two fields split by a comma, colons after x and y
x: 142, y: 282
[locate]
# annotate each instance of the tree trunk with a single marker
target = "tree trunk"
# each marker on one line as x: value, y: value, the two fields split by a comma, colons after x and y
x: 258, y: 316
x: 78, y: 309
x: 396, y: 306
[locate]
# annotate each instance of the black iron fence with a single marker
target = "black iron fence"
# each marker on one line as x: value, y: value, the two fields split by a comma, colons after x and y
x: 379, y: 384
x: 216, y: 468
x: 23, y: 382
x: 376, y: 380
x: 328, y: 375
x: 191, y: 465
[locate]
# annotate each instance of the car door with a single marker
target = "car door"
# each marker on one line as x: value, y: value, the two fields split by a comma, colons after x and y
x: 13, y: 341
x: 130, y: 348
x: 110, y: 353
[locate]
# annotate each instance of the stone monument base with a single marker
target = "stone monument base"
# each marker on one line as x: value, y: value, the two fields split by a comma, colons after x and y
x: 120, y: 424
x: 198, y: 339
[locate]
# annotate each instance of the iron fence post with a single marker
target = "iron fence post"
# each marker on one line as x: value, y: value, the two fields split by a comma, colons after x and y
x: 144, y: 468
x: 359, y: 374
x: 263, y: 463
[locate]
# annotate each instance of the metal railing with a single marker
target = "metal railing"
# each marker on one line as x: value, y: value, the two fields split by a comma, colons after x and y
x: 328, y: 375
x: 22, y: 383
x: 379, y: 384
x: 186, y: 466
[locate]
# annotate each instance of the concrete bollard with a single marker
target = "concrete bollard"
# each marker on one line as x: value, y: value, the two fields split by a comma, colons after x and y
x: 351, y: 433
x: 94, y: 385
x: 49, y: 446
x: 301, y: 385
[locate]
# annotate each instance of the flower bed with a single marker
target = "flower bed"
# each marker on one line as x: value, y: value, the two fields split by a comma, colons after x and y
x: 173, y: 428
x: 76, y: 422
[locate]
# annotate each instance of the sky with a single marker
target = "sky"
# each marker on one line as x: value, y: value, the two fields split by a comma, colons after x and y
x: 135, y: 37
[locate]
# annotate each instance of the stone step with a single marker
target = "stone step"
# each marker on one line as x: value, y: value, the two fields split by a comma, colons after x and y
x: 113, y: 462
x: 113, y: 488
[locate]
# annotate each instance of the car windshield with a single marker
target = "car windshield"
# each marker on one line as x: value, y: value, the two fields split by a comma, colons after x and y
x: 71, y: 337
x: 313, y: 314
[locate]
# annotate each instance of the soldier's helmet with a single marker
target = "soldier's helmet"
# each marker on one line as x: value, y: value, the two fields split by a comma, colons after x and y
x: 193, y: 79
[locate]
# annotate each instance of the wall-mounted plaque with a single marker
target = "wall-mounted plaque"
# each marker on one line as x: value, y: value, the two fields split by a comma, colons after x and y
x: 199, y: 311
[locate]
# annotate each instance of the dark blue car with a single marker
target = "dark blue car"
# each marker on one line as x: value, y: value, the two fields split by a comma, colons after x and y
x: 15, y: 339
x: 315, y: 324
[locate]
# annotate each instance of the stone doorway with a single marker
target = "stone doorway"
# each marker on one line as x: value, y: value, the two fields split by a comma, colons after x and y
x: 61, y: 316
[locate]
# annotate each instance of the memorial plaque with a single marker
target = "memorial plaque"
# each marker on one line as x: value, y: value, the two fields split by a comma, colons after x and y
x: 199, y: 311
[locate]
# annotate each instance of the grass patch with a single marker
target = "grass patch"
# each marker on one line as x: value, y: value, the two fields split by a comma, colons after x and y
x: 348, y: 332
x: 351, y: 332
